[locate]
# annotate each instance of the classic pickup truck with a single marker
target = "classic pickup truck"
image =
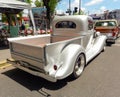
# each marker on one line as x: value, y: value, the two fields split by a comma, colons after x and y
x: 65, y: 52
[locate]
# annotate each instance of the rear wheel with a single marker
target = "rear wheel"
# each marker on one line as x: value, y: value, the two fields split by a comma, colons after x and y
x: 79, y: 66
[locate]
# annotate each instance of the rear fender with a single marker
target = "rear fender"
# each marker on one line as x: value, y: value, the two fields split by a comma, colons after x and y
x: 68, y: 57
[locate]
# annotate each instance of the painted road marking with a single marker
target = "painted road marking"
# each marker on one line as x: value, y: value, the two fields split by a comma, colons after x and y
x: 4, y: 64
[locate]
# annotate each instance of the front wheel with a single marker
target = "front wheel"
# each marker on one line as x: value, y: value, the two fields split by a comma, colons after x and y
x: 79, y: 66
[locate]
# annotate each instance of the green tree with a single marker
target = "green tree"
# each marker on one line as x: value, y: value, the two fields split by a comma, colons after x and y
x: 38, y: 3
x: 28, y: 1
x: 81, y: 13
x: 50, y: 6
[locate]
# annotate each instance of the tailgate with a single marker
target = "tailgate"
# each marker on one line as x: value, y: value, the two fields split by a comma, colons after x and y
x: 104, y: 29
x: 32, y: 55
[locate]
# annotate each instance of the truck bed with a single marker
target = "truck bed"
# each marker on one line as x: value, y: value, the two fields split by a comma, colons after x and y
x: 32, y: 49
x: 40, y: 41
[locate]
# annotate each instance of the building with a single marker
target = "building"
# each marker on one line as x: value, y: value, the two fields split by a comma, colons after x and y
x: 114, y: 14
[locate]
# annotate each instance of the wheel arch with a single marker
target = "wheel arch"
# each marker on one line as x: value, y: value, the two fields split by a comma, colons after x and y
x: 68, y: 56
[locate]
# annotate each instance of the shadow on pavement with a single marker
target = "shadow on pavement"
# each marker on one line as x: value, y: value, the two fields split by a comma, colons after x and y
x: 35, y: 83
x: 4, y: 47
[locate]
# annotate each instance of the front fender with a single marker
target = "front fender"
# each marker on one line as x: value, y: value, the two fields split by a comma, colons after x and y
x: 68, y: 57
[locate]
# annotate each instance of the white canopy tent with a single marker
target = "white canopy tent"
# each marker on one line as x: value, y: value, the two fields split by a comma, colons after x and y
x: 14, y: 7
x: 14, y: 4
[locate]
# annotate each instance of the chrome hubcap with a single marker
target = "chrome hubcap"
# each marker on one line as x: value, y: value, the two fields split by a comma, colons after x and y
x: 79, y: 66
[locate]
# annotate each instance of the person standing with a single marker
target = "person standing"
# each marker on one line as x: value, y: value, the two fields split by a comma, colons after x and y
x: 22, y: 28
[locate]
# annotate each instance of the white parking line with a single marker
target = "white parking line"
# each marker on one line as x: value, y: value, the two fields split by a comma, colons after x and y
x: 4, y: 64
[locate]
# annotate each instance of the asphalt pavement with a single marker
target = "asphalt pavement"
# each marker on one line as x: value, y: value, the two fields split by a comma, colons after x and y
x: 4, y: 53
x: 101, y: 78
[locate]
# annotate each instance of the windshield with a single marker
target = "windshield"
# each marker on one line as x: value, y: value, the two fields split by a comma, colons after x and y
x: 105, y: 23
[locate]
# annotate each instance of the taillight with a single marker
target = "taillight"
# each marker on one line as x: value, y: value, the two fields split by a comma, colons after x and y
x: 114, y: 31
x: 55, y: 67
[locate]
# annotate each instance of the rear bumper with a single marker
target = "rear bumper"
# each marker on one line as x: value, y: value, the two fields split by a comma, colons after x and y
x: 110, y: 39
x: 33, y: 72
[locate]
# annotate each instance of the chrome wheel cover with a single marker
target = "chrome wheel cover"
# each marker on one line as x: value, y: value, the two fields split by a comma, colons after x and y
x: 79, y: 65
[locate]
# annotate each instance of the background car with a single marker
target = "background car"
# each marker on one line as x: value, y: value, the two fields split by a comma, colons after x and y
x: 110, y: 28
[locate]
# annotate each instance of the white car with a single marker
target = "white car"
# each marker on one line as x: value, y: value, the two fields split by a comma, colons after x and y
x: 72, y: 44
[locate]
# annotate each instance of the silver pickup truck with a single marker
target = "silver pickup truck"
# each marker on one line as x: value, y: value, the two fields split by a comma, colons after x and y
x: 65, y: 52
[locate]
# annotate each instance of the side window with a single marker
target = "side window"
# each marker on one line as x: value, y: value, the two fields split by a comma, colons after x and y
x: 65, y: 24
x: 90, y: 25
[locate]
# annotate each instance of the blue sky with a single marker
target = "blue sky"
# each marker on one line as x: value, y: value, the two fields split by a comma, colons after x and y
x: 89, y: 6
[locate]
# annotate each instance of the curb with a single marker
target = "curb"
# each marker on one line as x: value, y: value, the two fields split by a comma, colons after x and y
x: 4, y: 64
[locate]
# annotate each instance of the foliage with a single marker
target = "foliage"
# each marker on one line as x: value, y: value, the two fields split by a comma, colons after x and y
x: 5, y: 18
x: 81, y: 13
x: 38, y: 3
x: 28, y: 1
x: 50, y: 6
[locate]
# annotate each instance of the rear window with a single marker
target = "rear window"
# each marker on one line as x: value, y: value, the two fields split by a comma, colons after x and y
x: 65, y: 24
x: 105, y: 23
